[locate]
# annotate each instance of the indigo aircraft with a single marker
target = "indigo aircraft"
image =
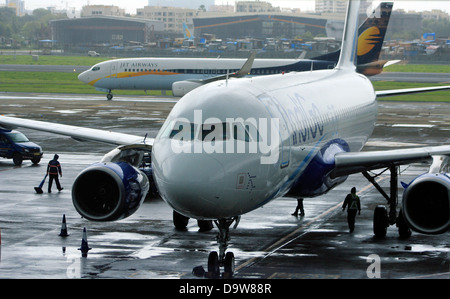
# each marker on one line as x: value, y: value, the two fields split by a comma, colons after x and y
x: 181, y: 75
x: 231, y: 146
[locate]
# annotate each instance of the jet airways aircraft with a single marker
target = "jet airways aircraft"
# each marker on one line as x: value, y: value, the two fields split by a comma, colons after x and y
x: 232, y: 146
x: 182, y: 75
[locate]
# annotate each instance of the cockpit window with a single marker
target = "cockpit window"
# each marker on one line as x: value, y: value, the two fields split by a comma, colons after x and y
x: 95, y: 68
x: 183, y: 130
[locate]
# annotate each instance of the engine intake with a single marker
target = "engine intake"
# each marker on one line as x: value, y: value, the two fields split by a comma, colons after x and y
x: 426, y: 204
x: 109, y: 191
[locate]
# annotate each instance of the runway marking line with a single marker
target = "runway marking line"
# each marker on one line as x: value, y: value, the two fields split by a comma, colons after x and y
x: 283, y: 241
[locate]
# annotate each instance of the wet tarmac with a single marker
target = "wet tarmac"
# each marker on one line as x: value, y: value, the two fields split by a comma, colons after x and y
x: 269, y: 243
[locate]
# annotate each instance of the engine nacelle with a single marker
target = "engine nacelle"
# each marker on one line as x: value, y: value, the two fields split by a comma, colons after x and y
x: 181, y: 88
x: 109, y: 191
x: 426, y: 203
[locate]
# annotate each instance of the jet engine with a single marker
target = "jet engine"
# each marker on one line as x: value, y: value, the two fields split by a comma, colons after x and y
x: 181, y: 88
x: 426, y: 203
x: 112, y: 189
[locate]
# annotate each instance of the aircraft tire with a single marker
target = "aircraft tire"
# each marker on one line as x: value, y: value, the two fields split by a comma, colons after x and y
x: 205, y: 225
x: 213, y: 264
x: 229, y: 264
x: 403, y: 230
x: 180, y: 221
x: 380, y: 222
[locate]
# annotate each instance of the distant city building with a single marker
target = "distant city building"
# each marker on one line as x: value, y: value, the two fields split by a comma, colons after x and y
x: 102, y: 10
x: 192, y: 4
x: 338, y: 6
x: 435, y: 14
x: 17, y: 5
x: 255, y: 6
x: 172, y: 17
x: 222, y: 8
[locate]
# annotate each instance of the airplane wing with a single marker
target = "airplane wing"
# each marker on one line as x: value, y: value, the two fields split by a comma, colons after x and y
x: 77, y: 133
x: 245, y: 70
x: 399, y: 92
x: 180, y: 88
x: 349, y: 163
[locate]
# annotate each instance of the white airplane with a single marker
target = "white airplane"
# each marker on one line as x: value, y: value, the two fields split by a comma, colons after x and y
x: 182, y: 75
x: 231, y: 146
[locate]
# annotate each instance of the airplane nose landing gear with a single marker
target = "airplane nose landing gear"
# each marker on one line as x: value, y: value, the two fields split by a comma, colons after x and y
x: 217, y: 260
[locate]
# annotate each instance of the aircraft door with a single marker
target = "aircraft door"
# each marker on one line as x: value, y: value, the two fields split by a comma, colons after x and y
x: 275, y: 111
x: 113, y: 70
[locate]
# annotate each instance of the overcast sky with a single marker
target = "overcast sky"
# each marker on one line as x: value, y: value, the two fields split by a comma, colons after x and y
x: 131, y: 5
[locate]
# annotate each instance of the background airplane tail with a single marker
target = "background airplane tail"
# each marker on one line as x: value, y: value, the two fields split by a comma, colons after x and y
x: 187, y: 32
x: 372, y: 32
x: 371, y: 35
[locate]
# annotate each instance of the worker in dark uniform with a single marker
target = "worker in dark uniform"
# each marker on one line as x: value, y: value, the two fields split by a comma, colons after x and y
x: 299, y: 207
x: 53, y: 169
x: 353, y: 203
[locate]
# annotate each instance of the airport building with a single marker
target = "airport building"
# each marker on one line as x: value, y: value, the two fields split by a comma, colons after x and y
x: 259, y: 26
x: 91, y: 31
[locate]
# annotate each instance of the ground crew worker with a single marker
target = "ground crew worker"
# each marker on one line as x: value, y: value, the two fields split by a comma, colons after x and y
x: 53, y: 169
x: 353, y: 203
x: 299, y: 207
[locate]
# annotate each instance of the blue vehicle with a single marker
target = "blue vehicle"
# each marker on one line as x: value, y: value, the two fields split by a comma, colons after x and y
x: 15, y: 145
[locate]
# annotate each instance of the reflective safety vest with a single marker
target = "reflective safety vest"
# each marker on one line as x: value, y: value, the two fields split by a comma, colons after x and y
x: 352, y: 201
x: 53, y: 167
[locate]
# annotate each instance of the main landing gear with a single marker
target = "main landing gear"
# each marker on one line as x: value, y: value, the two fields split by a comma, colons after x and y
x: 382, y: 218
x: 109, y: 96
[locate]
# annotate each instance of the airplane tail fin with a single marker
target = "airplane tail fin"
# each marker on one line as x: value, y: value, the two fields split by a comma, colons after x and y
x: 347, y: 59
x: 187, y: 32
x: 372, y: 33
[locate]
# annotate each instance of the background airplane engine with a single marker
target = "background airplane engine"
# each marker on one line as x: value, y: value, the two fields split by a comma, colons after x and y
x: 109, y: 191
x: 181, y: 88
x: 426, y: 203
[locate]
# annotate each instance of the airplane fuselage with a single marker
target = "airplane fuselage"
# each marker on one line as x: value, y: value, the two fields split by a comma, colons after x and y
x: 302, y: 120
x: 161, y: 73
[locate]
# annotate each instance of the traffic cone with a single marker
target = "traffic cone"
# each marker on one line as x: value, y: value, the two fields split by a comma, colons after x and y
x: 84, y: 244
x: 63, y: 232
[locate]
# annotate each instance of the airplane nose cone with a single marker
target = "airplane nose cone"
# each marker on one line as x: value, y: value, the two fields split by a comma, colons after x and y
x: 84, y: 77
x: 191, y: 184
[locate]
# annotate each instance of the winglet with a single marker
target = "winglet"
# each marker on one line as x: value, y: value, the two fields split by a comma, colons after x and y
x: 350, y: 38
x: 247, y: 67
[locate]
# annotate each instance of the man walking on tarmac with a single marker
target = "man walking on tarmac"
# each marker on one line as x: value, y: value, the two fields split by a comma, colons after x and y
x: 354, y: 205
x: 53, y: 169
